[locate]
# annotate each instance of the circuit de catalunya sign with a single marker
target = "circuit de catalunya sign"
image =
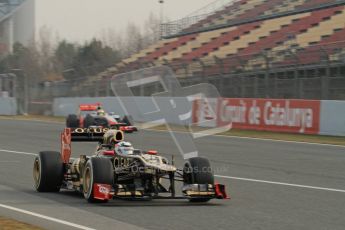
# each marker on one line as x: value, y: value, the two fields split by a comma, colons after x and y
x: 296, y: 116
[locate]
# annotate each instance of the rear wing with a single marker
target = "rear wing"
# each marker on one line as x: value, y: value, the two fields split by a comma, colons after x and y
x: 89, y: 107
x: 70, y: 135
x: 87, y: 134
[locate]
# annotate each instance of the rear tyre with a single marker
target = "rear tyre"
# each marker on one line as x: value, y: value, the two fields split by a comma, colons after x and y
x: 198, y: 170
x: 48, y: 171
x: 97, y: 171
x: 72, y: 121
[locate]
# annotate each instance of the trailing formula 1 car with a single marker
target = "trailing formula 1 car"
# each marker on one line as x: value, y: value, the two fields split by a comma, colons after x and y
x: 93, y: 115
x: 117, y: 170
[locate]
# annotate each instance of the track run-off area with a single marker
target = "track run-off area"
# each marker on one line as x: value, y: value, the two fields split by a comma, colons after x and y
x: 273, y: 185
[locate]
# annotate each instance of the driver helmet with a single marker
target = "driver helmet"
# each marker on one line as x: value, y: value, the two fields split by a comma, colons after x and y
x: 100, y: 112
x: 124, y: 148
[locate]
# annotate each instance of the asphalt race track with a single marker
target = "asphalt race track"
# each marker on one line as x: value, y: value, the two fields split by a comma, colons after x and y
x: 273, y: 185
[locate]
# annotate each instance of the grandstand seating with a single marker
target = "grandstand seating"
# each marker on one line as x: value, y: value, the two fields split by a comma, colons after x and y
x: 148, y: 50
x: 286, y: 5
x: 249, y: 9
x: 242, y: 45
x: 332, y: 47
x: 308, y: 29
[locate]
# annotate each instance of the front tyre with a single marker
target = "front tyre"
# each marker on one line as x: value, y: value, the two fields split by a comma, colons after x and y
x: 48, y: 171
x: 97, y: 171
x: 197, y: 170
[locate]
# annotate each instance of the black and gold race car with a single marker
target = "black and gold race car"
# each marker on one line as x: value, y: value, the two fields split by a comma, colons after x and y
x: 117, y: 170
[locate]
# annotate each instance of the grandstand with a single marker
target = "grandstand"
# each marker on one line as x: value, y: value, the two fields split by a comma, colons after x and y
x: 257, y: 48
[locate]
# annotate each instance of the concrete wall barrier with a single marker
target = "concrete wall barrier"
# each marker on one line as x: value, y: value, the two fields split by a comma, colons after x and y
x: 8, y: 106
x: 332, y: 118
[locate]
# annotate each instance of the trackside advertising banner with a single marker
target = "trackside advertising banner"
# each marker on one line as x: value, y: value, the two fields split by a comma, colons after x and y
x: 295, y: 116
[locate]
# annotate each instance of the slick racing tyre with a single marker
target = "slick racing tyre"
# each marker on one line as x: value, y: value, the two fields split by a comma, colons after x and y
x: 88, y: 121
x: 72, y: 121
x: 197, y: 170
x: 97, y: 171
x: 48, y: 171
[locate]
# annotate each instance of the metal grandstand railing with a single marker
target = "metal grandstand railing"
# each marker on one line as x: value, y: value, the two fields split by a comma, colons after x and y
x: 212, y: 7
x: 8, y: 6
x: 175, y: 27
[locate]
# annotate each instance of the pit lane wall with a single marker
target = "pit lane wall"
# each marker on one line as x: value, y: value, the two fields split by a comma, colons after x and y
x: 8, y: 106
x: 277, y: 115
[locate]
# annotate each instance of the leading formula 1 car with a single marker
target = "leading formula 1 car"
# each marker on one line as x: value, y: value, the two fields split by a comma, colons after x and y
x: 89, y: 115
x: 117, y: 170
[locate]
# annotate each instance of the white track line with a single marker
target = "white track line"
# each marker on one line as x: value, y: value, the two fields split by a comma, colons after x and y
x: 283, y: 141
x: 36, y: 214
x: 281, y: 183
x: 23, y: 153
x: 46, y: 217
x: 260, y: 139
x: 34, y: 120
x: 234, y: 178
